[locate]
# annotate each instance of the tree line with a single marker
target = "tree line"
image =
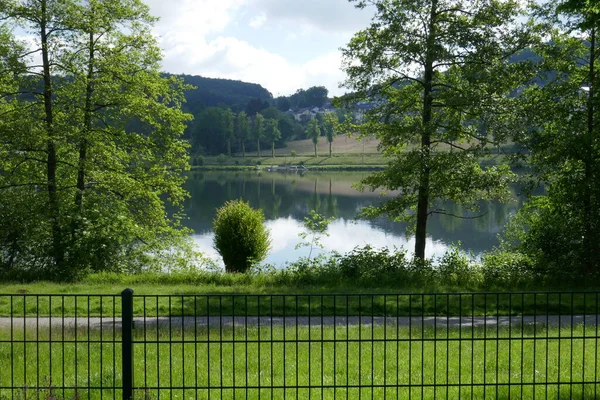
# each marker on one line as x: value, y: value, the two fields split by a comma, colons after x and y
x: 218, y: 130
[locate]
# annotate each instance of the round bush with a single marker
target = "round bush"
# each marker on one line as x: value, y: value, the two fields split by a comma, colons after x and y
x: 240, y: 235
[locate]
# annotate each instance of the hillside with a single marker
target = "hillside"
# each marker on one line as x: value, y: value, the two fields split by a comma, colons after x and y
x: 212, y: 92
x: 341, y: 145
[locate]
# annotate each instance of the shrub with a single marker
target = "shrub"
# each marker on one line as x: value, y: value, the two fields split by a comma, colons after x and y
x: 221, y: 159
x: 200, y: 161
x: 502, y: 269
x: 293, y: 153
x: 455, y: 268
x: 240, y: 236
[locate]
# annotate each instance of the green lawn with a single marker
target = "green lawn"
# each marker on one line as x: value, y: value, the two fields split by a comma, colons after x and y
x: 376, y: 361
x: 286, y: 304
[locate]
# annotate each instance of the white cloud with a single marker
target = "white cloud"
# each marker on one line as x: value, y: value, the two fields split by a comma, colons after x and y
x: 201, y: 37
x: 258, y: 21
x: 231, y: 58
x: 326, y: 15
x: 193, y: 17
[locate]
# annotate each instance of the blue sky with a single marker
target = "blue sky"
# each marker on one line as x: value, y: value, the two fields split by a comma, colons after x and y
x: 283, y: 45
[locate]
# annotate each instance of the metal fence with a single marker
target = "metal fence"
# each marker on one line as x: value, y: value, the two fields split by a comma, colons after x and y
x: 282, y: 346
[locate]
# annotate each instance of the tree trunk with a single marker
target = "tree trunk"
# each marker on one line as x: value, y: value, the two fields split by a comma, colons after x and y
x: 243, y: 149
x: 58, y: 251
x: 588, y: 243
x: 83, y: 144
x: 228, y: 147
x: 258, y: 147
x: 329, y: 149
x: 423, y: 193
x: 273, y: 150
x: 316, y: 150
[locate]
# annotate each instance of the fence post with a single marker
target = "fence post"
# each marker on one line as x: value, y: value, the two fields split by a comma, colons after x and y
x: 127, y: 342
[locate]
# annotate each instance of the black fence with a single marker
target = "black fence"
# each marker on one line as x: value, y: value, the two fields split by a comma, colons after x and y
x: 330, y: 346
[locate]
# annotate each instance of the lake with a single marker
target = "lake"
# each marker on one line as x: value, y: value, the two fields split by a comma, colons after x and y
x: 287, y: 198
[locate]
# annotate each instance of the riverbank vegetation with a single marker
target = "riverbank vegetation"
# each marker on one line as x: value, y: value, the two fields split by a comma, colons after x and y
x: 94, y: 145
x: 364, y: 270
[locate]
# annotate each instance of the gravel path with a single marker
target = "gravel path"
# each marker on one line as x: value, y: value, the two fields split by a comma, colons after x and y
x: 17, y: 323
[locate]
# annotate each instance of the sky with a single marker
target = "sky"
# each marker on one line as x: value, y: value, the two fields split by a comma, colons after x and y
x: 283, y: 45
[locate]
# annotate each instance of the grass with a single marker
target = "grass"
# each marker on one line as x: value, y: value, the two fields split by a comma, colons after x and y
x: 375, y: 361
x: 286, y: 304
x: 338, y: 161
x: 321, y: 162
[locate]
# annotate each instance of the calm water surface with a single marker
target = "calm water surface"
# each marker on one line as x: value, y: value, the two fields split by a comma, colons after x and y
x: 287, y: 198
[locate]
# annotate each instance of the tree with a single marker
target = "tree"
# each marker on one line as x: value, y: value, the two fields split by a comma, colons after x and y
x: 313, y: 131
x: 208, y: 131
x: 105, y: 178
x: 330, y: 122
x: 258, y: 131
x: 432, y: 73
x: 272, y: 134
x: 563, y: 138
x: 316, y: 96
x: 242, y: 129
x: 240, y: 235
x: 228, y: 129
x: 255, y: 106
x: 283, y: 104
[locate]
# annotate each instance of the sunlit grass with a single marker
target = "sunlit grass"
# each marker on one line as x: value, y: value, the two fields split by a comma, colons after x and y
x: 373, y: 361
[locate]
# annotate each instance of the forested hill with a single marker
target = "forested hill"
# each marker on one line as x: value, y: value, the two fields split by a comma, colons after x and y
x: 211, y: 92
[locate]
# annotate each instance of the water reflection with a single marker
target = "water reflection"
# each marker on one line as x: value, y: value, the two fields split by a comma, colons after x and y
x: 287, y: 199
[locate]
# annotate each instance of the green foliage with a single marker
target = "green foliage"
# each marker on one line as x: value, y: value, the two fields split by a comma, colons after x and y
x: 315, y: 226
x: 510, y: 269
x: 199, y: 161
x: 561, y: 231
x: 330, y: 127
x: 315, y: 96
x: 430, y: 76
x: 221, y: 159
x: 212, y: 131
x: 272, y: 134
x: 242, y: 130
x: 293, y: 153
x: 214, y: 92
x: 240, y: 236
x: 313, y: 131
x: 99, y: 156
x: 258, y: 131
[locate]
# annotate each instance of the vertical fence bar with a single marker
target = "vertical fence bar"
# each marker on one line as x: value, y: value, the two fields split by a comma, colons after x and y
x: 127, y: 345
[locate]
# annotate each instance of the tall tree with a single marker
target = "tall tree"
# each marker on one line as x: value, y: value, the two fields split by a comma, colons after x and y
x: 258, y: 131
x: 105, y: 176
x: 330, y: 122
x: 228, y: 128
x: 563, y: 136
x: 313, y: 131
x: 433, y: 72
x: 208, y: 132
x: 272, y: 134
x: 242, y: 130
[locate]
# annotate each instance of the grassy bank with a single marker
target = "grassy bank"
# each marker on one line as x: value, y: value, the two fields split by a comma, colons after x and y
x: 338, y: 161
